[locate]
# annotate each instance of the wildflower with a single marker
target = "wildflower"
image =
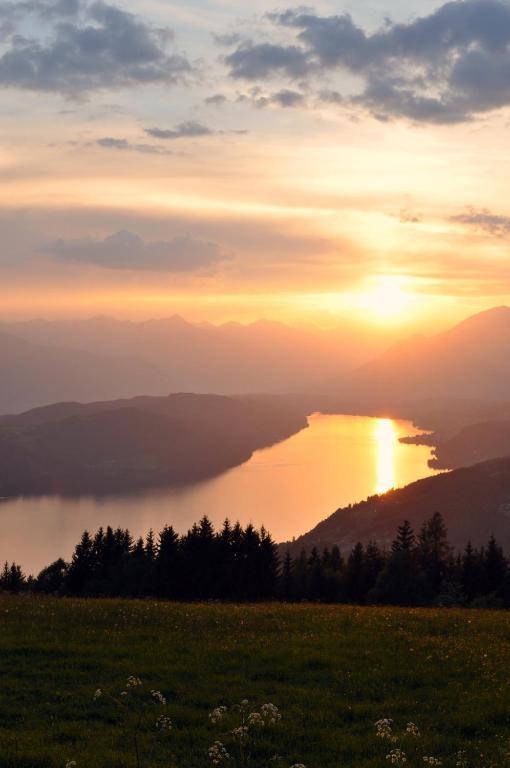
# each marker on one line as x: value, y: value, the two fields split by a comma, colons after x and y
x: 71, y: 764
x: 163, y: 723
x: 217, y: 714
x: 412, y: 729
x: 255, y: 719
x: 133, y: 682
x: 270, y: 714
x: 97, y: 694
x: 123, y: 693
x: 383, y: 730
x: 461, y: 761
x: 298, y: 765
x: 397, y: 757
x: 433, y: 762
x: 158, y: 696
x: 217, y: 753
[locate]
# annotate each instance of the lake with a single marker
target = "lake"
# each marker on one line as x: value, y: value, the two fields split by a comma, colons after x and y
x: 288, y: 488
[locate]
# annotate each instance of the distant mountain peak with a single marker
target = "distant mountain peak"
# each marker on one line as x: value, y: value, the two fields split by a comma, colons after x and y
x: 495, y: 315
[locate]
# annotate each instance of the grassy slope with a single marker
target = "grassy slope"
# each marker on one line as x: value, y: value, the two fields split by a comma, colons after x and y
x: 332, y: 670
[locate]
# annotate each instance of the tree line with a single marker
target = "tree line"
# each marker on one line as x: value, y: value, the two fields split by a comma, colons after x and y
x: 244, y: 564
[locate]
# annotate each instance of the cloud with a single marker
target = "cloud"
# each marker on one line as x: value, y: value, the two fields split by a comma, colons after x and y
x: 127, y: 251
x: 484, y: 221
x: 84, y: 46
x: 407, y: 216
x: 191, y: 129
x: 123, y: 145
x: 446, y: 67
x: 217, y: 100
x: 188, y: 130
x: 252, y: 62
x: 287, y: 98
x: 283, y: 98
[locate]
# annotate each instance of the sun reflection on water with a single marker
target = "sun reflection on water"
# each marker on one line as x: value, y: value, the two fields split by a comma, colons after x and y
x: 385, y: 436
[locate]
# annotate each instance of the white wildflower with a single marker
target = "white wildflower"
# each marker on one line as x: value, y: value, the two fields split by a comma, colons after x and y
x: 133, y: 682
x: 433, y: 762
x: 397, y: 757
x: 163, y: 723
x: 255, y: 719
x: 217, y: 714
x: 270, y: 714
x: 298, y: 765
x: 158, y: 696
x: 71, y: 764
x: 98, y: 694
x: 412, y: 729
x: 217, y: 753
x: 383, y: 730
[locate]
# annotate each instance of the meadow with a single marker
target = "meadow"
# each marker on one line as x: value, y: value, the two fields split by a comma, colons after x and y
x: 332, y: 671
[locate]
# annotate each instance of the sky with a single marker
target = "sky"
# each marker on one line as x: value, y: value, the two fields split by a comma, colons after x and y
x: 230, y: 161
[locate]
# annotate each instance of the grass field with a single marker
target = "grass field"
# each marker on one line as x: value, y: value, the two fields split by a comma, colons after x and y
x: 332, y: 671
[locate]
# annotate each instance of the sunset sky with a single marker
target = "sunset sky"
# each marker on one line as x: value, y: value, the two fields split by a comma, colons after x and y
x: 227, y: 160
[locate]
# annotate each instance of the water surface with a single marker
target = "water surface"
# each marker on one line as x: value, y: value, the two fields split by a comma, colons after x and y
x: 289, y: 488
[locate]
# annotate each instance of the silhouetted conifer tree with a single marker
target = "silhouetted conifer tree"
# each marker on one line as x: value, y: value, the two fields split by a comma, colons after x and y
x: 495, y: 568
x: 286, y: 591
x: 433, y: 553
x: 81, y: 569
x: 405, y: 538
x: 355, y: 577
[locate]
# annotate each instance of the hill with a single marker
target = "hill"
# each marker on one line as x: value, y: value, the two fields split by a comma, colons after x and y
x: 118, y: 446
x: 474, y: 501
x: 470, y: 361
x: 36, y: 374
x: 474, y: 443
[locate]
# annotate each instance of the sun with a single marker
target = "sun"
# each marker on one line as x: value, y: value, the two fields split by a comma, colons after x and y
x: 386, y: 300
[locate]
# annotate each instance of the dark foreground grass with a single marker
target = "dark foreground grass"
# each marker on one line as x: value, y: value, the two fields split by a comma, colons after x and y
x: 332, y: 671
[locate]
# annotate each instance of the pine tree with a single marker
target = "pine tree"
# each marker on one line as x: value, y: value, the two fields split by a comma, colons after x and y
x: 405, y: 539
x: 287, y: 578
x: 433, y: 553
x: 301, y: 576
x: 374, y: 563
x: 269, y: 566
x: 82, y: 567
x: 470, y: 573
x: 355, y: 577
x: 336, y: 561
x: 495, y: 567
x: 401, y: 581
x: 316, y: 576
x: 166, y: 570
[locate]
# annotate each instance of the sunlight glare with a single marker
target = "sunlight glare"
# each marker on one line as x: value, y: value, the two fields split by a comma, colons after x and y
x: 388, y: 299
x: 385, y: 436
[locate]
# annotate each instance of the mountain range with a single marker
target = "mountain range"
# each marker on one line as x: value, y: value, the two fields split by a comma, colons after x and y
x: 103, y: 358
x: 34, y: 374
x: 471, y: 362
x: 173, y: 355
